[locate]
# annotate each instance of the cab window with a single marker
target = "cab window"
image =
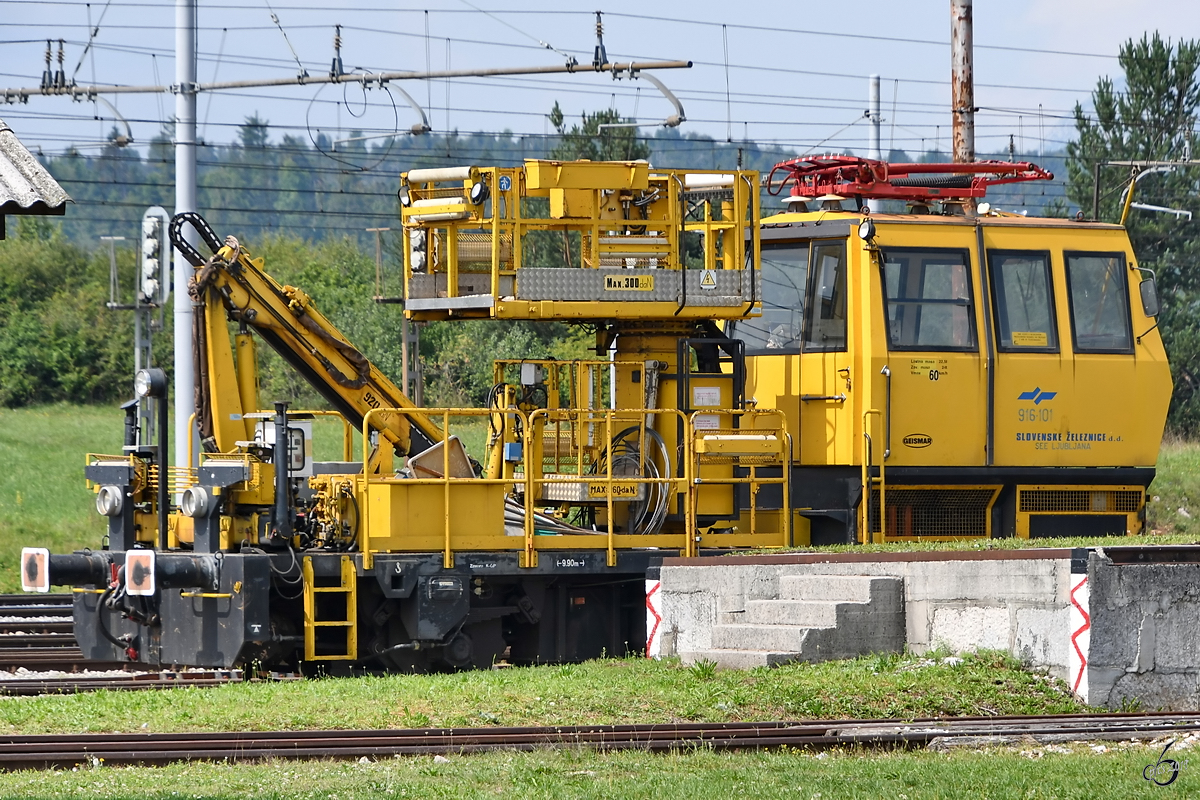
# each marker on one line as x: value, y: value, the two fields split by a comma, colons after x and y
x: 784, y: 275
x: 928, y: 297
x: 1099, y: 303
x: 825, y: 325
x: 1024, y: 299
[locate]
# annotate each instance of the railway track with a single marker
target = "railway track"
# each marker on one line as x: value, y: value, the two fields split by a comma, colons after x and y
x: 98, y: 677
x: 35, y: 621
x: 50, y: 751
x: 37, y: 634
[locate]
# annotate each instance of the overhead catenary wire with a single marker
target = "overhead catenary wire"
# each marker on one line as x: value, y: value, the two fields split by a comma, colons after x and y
x: 275, y: 18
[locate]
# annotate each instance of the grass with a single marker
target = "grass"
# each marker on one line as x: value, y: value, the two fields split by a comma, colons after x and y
x: 1077, y: 771
x: 610, y: 691
x: 43, y: 499
x: 1173, y: 505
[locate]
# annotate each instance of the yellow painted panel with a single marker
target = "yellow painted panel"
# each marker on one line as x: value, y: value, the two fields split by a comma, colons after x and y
x: 587, y: 174
x: 774, y: 382
x: 829, y: 430
x: 402, y: 512
x: 939, y: 409
x: 1085, y: 409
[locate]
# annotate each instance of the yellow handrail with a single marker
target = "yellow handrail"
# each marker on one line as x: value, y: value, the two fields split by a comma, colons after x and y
x: 534, y: 478
x: 867, y: 482
x: 783, y: 452
x: 445, y: 479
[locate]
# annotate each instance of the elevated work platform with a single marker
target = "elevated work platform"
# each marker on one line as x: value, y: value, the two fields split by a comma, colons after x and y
x: 580, y: 240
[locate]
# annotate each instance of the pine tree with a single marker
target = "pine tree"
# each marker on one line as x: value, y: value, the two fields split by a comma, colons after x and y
x: 1153, y: 118
x: 588, y: 140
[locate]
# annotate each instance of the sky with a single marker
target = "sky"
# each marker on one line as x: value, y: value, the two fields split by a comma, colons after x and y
x: 793, y: 74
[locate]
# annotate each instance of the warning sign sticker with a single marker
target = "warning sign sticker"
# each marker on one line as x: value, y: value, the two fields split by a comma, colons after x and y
x: 708, y: 279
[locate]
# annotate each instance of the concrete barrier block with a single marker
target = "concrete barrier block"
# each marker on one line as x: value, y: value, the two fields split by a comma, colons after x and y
x: 977, y: 627
x: 809, y: 586
x: 1168, y: 691
x: 1042, y: 639
x: 1177, y: 637
x: 688, y: 579
x: 690, y: 617
x: 988, y: 581
x: 917, y: 623
x: 1114, y: 640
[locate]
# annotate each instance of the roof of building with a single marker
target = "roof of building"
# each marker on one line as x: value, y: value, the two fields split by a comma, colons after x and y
x: 25, y: 185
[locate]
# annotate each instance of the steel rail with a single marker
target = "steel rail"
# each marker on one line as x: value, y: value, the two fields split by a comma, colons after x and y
x: 29, y: 687
x: 12, y: 604
x: 31, y: 624
x: 28, y: 638
x: 49, y: 751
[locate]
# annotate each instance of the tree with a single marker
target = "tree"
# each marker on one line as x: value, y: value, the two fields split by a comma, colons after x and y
x: 253, y: 132
x: 589, y: 141
x: 1152, y: 118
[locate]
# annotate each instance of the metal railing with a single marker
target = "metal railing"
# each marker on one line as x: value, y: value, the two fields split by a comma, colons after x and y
x: 750, y: 445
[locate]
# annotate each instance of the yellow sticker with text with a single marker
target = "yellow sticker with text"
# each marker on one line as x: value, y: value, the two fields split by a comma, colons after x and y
x: 1030, y: 339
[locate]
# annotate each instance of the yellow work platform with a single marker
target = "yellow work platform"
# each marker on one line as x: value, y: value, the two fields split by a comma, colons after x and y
x: 580, y: 240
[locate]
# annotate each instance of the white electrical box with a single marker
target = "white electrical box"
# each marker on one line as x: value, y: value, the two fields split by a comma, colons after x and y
x: 300, y: 448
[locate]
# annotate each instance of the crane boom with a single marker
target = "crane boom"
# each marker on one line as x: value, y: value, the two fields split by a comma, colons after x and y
x: 288, y: 320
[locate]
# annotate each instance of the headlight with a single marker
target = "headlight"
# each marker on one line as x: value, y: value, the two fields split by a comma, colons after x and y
x: 195, y: 502
x: 150, y: 383
x: 866, y: 229
x: 110, y: 500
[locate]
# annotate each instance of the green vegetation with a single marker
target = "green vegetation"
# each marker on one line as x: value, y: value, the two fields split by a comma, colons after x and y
x: 43, y: 499
x: 1152, y: 117
x: 1173, y: 505
x: 57, y: 340
x: 607, y: 691
x: 1075, y: 772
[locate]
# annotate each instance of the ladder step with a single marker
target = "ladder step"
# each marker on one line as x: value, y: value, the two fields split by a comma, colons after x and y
x: 333, y: 624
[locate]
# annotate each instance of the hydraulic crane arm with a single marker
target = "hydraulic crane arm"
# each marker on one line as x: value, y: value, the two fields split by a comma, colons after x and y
x: 286, y: 318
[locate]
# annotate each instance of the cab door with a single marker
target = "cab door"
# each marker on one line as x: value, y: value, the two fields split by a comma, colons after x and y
x: 827, y: 426
x: 937, y: 406
x: 1030, y: 388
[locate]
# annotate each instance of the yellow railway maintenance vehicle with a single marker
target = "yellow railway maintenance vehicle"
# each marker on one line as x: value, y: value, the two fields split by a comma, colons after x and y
x: 980, y: 374
x: 751, y: 378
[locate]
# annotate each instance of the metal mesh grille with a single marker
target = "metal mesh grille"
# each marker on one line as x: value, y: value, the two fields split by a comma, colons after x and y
x: 475, y: 249
x: 559, y: 453
x: 444, y: 193
x: 934, y: 512
x: 1127, y: 501
x: 742, y: 459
